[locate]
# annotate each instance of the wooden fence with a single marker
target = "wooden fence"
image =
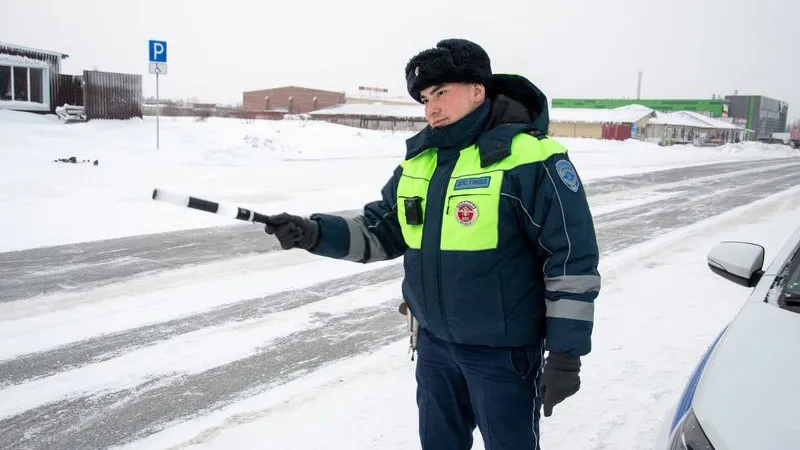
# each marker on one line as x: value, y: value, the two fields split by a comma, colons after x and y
x: 112, y: 95
x: 70, y: 90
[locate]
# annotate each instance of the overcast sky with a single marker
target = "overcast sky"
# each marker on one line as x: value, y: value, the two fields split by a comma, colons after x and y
x: 569, y: 48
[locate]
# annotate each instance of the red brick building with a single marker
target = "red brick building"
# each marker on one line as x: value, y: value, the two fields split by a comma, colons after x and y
x: 290, y: 99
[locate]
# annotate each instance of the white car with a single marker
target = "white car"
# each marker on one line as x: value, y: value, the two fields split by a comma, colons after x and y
x: 744, y: 393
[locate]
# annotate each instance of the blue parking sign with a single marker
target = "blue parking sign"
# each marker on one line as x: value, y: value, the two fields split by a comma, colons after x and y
x: 158, y: 51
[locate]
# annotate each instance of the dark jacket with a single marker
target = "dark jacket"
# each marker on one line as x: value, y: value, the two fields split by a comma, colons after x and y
x: 541, y: 279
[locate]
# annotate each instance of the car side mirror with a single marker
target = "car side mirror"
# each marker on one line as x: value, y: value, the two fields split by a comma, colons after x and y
x: 740, y: 262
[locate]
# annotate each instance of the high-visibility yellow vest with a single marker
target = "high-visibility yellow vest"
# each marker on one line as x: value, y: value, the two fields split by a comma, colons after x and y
x: 471, y: 209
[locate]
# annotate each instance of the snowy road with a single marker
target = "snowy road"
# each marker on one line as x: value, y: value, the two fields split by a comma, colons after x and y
x: 28, y: 273
x: 107, y: 342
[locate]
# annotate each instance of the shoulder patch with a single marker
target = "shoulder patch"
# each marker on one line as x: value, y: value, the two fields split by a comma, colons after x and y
x: 568, y: 175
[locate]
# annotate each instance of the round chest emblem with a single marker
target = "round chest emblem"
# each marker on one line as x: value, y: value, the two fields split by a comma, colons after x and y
x: 466, y: 213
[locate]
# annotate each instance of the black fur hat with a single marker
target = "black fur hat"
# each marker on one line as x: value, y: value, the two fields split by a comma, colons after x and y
x: 452, y: 61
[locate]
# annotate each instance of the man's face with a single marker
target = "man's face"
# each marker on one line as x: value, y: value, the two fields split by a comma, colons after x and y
x: 450, y: 102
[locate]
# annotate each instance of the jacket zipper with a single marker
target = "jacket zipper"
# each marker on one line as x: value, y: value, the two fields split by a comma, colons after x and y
x: 442, y: 218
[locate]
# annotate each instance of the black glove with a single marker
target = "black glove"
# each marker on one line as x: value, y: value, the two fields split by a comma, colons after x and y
x: 293, y: 231
x: 560, y: 379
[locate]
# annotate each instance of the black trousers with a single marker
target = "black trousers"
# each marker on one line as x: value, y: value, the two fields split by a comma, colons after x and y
x: 460, y: 387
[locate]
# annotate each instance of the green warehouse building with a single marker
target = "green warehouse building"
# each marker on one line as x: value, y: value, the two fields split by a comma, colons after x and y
x: 707, y: 107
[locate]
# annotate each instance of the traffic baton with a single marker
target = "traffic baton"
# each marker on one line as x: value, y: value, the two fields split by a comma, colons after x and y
x: 233, y: 212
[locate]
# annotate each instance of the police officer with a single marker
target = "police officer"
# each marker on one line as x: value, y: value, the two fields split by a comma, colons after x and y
x: 499, y: 248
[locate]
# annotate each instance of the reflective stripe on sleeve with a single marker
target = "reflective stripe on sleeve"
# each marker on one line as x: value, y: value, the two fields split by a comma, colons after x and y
x: 570, y: 309
x: 573, y: 284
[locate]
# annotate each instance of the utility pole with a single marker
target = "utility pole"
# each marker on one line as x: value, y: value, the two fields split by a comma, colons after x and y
x: 639, y: 86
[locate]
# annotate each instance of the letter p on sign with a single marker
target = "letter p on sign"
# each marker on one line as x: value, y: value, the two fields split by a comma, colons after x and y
x: 158, y: 51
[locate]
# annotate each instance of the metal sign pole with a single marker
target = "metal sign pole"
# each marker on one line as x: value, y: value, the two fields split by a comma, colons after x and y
x: 158, y: 65
x: 158, y: 115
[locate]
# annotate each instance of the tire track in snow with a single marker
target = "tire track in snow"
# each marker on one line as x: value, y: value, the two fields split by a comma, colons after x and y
x: 101, y: 348
x: 29, y: 273
x: 627, y: 227
x: 83, y: 266
x: 668, y: 176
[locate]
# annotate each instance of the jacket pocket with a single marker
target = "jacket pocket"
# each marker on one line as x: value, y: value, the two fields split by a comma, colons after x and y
x: 470, y: 222
x: 526, y: 361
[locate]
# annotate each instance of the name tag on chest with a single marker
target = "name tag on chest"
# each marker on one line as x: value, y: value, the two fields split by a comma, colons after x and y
x: 472, y: 183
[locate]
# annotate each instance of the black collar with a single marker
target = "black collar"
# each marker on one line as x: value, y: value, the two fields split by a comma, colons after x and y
x: 483, y: 127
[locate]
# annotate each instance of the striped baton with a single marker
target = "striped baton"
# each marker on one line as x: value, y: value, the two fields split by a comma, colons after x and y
x: 233, y: 212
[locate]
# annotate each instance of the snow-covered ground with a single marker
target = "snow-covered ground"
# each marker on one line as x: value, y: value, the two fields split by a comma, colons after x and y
x: 659, y: 308
x: 301, y: 167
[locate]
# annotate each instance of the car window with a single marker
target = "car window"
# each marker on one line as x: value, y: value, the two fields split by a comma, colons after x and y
x: 785, y: 292
x: 792, y: 282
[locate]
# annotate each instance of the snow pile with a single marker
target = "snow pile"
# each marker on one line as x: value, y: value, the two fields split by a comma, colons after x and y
x: 262, y: 165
